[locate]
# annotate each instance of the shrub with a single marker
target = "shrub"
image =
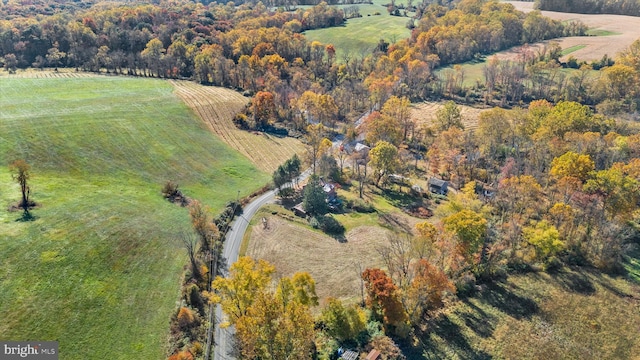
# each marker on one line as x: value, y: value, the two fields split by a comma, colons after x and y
x: 360, y: 206
x: 466, y: 285
x: 193, y: 298
x: 182, y: 355
x: 187, y: 319
x: 315, y: 223
x: 170, y: 189
x: 330, y: 225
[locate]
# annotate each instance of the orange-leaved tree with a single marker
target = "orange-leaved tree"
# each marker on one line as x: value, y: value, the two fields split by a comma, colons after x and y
x: 383, y: 299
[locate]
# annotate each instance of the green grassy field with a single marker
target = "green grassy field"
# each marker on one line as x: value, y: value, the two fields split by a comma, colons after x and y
x: 600, y: 32
x: 571, y: 49
x: 474, y: 70
x: 359, y: 36
x: 100, y: 267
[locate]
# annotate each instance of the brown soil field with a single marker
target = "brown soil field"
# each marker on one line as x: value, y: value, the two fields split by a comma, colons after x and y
x: 217, y: 107
x: 424, y: 113
x: 335, y: 266
x: 48, y: 73
x: 628, y: 28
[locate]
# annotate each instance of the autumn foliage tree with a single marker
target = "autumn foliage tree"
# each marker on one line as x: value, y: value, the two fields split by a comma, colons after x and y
x: 264, y: 109
x: 384, y: 159
x: 383, y: 299
x: 427, y: 290
x: 272, y: 322
x: 203, y: 225
x: 342, y: 322
x: 470, y: 229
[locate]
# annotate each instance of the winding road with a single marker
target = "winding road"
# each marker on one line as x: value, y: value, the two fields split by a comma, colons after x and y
x: 224, y: 337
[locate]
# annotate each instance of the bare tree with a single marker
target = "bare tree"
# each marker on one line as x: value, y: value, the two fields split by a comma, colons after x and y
x: 21, y: 172
x: 190, y: 243
x: 397, y: 256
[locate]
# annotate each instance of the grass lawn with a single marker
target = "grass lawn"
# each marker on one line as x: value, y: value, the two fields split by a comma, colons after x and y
x: 359, y: 36
x: 100, y: 267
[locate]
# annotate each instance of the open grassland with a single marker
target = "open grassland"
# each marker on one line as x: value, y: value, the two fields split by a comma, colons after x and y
x: 359, y: 36
x: 616, y: 32
x: 335, y: 266
x: 217, y: 107
x: 292, y: 245
x: 573, y: 314
x: 100, y: 267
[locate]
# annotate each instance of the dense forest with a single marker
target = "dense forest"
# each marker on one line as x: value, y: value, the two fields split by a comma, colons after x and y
x: 620, y: 7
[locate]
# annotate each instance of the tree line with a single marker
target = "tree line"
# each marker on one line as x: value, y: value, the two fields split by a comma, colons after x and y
x: 620, y: 7
x: 256, y: 49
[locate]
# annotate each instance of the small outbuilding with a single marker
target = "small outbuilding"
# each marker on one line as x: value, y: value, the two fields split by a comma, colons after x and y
x: 373, y: 355
x: 438, y: 186
x: 298, y: 210
x: 349, y: 355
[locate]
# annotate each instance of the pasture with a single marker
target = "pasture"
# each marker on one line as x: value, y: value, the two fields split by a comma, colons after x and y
x: 359, y: 36
x: 100, y: 267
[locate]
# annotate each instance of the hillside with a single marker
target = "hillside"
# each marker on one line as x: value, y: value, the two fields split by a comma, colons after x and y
x: 621, y: 32
x: 217, y: 107
x: 574, y: 313
x: 99, y: 269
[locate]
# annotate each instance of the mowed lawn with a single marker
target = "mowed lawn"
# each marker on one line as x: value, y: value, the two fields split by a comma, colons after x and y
x: 100, y: 268
x: 359, y: 36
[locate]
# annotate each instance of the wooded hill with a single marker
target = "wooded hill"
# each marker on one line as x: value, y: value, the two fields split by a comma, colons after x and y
x: 254, y: 48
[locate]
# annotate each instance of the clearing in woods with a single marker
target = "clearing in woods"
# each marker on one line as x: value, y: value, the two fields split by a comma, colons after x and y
x: 424, y: 114
x: 217, y: 107
x: 333, y: 265
x: 100, y: 267
x: 360, y: 36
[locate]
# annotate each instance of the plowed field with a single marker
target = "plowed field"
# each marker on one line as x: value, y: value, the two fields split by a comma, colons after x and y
x: 625, y: 30
x: 424, y: 113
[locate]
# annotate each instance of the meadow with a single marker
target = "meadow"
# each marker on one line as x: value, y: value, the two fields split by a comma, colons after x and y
x: 359, y: 36
x: 100, y: 267
x: 572, y: 313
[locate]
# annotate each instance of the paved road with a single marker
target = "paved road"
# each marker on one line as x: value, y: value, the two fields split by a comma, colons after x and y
x: 224, y: 337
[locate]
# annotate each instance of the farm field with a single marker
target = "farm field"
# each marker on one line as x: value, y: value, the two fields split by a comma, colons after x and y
x: 217, y: 107
x: 359, y: 36
x: 620, y: 31
x: 99, y: 269
x: 424, y: 113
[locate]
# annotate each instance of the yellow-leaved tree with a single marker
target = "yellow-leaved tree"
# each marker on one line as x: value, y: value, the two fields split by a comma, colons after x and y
x: 273, y: 321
